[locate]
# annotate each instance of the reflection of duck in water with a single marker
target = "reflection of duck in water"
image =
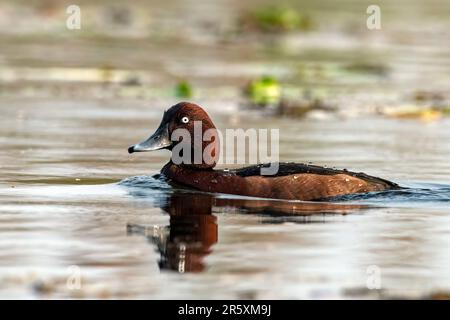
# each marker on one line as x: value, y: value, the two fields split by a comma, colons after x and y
x: 191, y: 233
x: 193, y: 228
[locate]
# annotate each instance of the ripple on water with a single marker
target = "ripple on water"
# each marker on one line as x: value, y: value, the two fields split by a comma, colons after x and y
x: 154, y: 182
x: 437, y: 194
x: 422, y: 192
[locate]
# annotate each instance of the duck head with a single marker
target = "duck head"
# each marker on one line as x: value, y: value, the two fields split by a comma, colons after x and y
x: 189, y: 133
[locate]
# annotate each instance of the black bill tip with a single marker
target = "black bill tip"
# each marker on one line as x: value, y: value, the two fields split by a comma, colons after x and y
x: 131, y: 149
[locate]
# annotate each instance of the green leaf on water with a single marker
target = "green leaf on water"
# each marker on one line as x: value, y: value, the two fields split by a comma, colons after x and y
x: 265, y: 90
x: 183, y: 90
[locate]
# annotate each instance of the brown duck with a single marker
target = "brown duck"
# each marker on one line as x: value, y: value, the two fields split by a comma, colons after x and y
x: 293, y: 181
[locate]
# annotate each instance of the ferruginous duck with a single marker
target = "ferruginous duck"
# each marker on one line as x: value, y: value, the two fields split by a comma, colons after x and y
x: 292, y: 181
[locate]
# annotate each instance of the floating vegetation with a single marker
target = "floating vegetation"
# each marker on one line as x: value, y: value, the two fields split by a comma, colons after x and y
x: 378, y: 69
x: 413, y: 112
x: 264, y: 91
x: 446, y: 110
x: 132, y: 80
x: 426, y: 96
x: 301, y: 107
x: 120, y: 16
x: 439, y: 295
x: 183, y: 90
x: 426, y: 105
x: 276, y: 19
x: 106, y: 73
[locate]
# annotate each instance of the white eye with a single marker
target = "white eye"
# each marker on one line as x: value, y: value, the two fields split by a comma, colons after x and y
x: 185, y: 119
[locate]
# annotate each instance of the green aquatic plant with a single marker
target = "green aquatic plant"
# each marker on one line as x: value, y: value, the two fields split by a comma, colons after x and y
x: 276, y: 19
x: 183, y: 89
x: 263, y: 91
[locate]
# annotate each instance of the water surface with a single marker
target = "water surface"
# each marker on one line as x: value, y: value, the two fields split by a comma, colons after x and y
x: 70, y: 195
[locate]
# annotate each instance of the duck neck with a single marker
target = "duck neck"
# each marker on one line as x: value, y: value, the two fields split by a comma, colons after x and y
x: 187, y: 175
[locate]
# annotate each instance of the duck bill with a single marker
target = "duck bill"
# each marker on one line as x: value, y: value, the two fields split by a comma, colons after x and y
x: 159, y: 140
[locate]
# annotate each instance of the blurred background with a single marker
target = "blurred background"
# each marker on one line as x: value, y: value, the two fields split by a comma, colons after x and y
x: 315, y: 53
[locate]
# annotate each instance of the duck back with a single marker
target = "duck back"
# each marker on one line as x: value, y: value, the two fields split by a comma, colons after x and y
x: 290, y: 168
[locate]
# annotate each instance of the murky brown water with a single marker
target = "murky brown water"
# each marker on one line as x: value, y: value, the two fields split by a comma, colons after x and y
x: 62, y: 205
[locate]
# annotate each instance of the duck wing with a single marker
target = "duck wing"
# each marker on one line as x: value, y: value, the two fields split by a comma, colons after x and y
x: 290, y: 168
